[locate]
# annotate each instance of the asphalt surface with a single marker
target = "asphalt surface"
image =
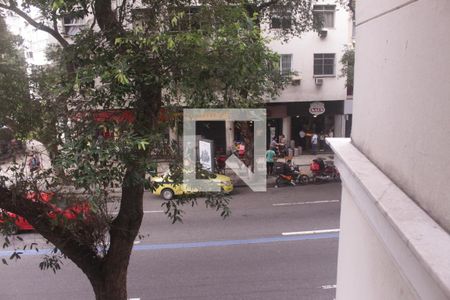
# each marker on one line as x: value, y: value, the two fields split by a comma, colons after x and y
x: 245, y: 256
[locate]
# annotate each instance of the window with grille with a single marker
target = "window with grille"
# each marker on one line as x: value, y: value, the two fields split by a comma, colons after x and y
x: 324, y: 15
x: 285, y: 63
x: 324, y: 63
x: 280, y: 20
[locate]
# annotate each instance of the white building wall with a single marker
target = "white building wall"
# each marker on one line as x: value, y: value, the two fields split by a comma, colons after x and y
x: 367, y: 261
x: 403, y: 80
x: 395, y: 217
x: 35, y: 41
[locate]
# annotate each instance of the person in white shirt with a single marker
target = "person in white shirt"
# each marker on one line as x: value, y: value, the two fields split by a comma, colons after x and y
x: 314, y: 143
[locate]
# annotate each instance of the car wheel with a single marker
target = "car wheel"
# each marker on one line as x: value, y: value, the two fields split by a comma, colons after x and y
x: 167, y: 194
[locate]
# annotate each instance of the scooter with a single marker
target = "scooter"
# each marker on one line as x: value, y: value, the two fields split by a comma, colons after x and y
x: 289, y: 174
x: 323, y: 171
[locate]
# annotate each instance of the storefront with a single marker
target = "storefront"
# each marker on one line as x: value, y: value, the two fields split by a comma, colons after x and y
x: 213, y: 130
x: 316, y: 116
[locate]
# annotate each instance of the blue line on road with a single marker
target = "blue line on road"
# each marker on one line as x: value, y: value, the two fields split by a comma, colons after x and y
x: 146, y: 247
x: 235, y: 242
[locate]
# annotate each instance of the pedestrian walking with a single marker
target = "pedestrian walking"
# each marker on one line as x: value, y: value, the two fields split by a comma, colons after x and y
x: 282, y: 147
x: 270, y: 154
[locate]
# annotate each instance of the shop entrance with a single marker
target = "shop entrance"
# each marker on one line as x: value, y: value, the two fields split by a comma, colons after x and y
x: 213, y: 130
x: 310, y: 124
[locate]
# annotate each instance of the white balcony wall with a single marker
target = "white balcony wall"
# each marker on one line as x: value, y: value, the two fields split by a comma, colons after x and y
x: 395, y: 217
x: 403, y: 80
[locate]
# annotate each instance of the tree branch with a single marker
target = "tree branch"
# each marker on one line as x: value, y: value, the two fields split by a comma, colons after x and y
x: 36, y: 213
x: 106, y: 19
x: 35, y: 24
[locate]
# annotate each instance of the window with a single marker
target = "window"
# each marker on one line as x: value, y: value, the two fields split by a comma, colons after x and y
x: 29, y: 54
x: 324, y: 64
x: 324, y: 15
x: 280, y: 21
x: 72, y: 25
x: 285, y: 63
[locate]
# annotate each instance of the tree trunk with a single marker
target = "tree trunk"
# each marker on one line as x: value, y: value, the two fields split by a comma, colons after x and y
x: 111, y: 283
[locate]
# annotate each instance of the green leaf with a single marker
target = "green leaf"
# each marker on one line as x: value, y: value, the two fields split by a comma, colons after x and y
x: 57, y: 4
x: 170, y: 43
x: 121, y: 78
x: 142, y: 145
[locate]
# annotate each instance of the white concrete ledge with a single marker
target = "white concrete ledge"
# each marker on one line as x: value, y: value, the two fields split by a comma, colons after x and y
x: 418, y: 245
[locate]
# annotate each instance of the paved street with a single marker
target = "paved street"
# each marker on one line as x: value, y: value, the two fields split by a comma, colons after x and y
x: 263, y: 251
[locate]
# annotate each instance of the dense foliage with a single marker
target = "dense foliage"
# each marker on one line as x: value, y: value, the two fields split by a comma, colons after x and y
x: 18, y: 111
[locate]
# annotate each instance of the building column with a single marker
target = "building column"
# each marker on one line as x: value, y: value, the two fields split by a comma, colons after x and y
x: 287, y: 129
x: 339, y: 125
x: 229, y: 135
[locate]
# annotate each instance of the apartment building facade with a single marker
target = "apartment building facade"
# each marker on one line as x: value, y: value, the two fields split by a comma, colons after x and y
x: 35, y: 42
x: 316, y: 100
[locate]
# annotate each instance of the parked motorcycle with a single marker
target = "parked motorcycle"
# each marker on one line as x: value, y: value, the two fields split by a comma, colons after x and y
x: 323, y: 171
x: 289, y: 174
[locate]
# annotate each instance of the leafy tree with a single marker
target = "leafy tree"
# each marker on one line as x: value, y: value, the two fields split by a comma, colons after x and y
x: 348, y: 66
x: 167, y: 53
x: 18, y: 111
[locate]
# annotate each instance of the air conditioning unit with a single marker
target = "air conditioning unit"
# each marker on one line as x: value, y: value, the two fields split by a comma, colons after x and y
x: 296, y: 80
x: 323, y: 33
x: 319, y: 81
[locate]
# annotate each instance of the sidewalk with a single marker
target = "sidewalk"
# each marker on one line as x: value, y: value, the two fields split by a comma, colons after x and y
x: 303, y: 161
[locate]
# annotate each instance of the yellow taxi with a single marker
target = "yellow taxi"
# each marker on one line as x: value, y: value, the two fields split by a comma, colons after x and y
x: 167, y: 189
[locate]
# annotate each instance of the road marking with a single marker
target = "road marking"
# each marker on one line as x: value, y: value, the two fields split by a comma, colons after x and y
x: 146, y: 247
x: 307, y: 202
x: 332, y: 235
x: 135, y: 299
x: 328, y: 287
x: 311, y: 232
x: 137, y: 242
